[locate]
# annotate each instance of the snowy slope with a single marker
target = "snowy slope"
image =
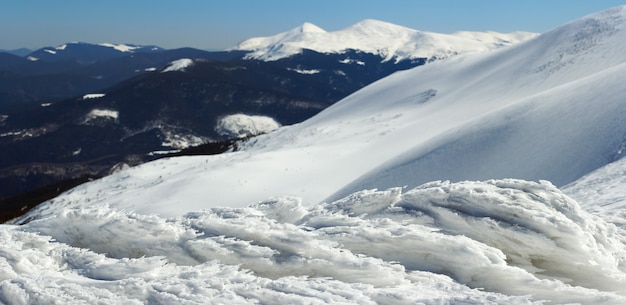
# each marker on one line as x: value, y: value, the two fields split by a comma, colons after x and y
x: 550, y: 108
x: 603, y: 193
x: 602, y: 189
x: 225, y: 228
x: 372, y: 36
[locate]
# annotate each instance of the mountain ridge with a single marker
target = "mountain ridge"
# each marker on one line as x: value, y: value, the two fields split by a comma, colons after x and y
x: 85, y: 54
x: 377, y: 37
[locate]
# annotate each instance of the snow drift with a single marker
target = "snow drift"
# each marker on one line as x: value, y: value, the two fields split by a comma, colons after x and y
x: 499, y: 241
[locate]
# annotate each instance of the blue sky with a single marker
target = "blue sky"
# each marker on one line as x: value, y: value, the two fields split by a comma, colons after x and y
x: 213, y: 24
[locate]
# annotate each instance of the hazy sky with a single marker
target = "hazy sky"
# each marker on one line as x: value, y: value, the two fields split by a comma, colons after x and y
x: 219, y: 24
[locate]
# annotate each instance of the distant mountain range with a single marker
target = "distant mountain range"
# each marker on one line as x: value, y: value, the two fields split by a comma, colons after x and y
x: 74, y: 69
x: 387, y: 40
x: 87, y: 54
x: 79, y: 109
x: 18, y: 52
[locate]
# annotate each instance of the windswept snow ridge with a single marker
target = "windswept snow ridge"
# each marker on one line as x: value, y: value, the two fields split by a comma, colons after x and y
x: 372, y: 36
x: 517, y: 241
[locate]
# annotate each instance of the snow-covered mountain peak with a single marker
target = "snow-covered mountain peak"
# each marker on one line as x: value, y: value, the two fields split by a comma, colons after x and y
x: 304, y: 32
x: 593, y: 27
x: 378, y: 26
x: 591, y: 43
x: 615, y: 13
x: 375, y: 37
x: 589, y: 31
x: 308, y: 27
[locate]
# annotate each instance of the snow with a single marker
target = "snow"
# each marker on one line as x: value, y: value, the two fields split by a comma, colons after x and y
x: 550, y: 108
x: 163, y: 152
x: 32, y: 58
x: 495, y: 38
x: 305, y: 71
x: 241, y: 125
x: 502, y: 241
x: 349, y: 61
x: 181, y: 140
x: 93, y: 96
x: 178, y: 65
x: 10, y: 133
x: 101, y: 113
x: 372, y: 36
x: 603, y: 193
x: 429, y: 186
x: 120, y: 47
x: 601, y: 189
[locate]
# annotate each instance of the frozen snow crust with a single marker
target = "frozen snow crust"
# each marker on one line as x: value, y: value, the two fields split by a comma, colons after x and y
x: 493, y: 242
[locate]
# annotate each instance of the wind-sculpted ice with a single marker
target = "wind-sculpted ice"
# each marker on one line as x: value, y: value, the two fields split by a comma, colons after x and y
x: 493, y: 242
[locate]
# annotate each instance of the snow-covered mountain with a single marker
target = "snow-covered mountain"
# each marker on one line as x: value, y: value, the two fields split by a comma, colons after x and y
x: 186, y: 102
x: 377, y: 37
x: 550, y: 108
x: 286, y: 219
